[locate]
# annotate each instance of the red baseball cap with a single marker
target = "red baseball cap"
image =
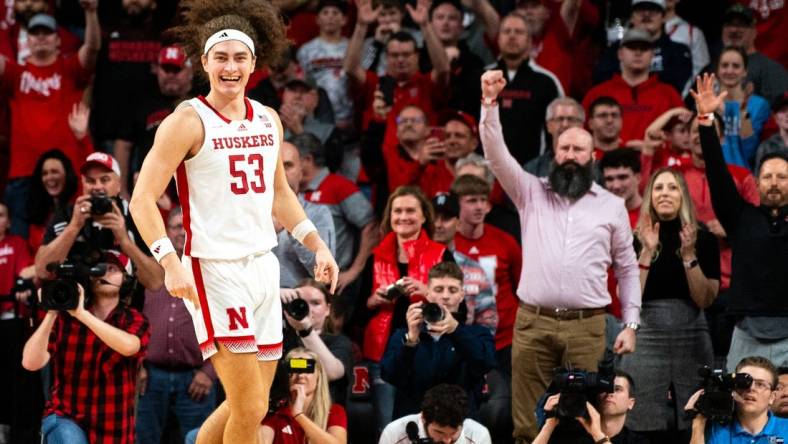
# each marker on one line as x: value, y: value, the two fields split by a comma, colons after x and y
x: 101, y: 159
x: 172, y: 55
x: 460, y: 116
x: 119, y: 259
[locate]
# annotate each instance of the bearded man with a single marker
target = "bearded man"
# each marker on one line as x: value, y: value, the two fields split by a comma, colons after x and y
x: 572, y: 232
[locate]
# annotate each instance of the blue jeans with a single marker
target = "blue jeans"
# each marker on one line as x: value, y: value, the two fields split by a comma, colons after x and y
x: 15, y: 198
x: 170, y: 390
x: 383, y: 395
x: 61, y: 430
x: 191, y: 437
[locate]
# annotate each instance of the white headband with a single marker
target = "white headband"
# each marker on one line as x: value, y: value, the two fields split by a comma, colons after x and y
x: 228, y: 34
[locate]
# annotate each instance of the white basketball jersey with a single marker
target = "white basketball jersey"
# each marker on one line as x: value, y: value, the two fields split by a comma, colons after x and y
x: 227, y: 188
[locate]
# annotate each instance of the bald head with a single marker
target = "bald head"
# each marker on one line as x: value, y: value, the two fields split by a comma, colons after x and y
x: 575, y: 144
x: 291, y: 160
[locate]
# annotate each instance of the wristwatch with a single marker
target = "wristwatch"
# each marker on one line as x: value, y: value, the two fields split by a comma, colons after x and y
x: 306, y: 332
x: 633, y: 325
x: 692, y: 263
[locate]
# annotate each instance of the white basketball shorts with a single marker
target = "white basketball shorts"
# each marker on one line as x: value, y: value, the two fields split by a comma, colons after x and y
x: 239, y: 305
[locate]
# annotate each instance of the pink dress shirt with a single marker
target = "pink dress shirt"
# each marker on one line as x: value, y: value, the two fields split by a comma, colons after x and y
x: 568, y: 246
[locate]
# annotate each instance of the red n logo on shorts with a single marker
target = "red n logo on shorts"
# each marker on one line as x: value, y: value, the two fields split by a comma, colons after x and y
x: 237, y: 318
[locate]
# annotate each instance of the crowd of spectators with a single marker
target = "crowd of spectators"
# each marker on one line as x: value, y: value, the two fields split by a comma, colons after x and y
x: 509, y: 187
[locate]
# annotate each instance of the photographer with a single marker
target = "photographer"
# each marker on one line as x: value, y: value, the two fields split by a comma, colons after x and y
x: 98, y: 220
x: 309, y: 416
x: 311, y: 328
x: 753, y: 421
x: 605, y: 421
x: 441, y: 420
x: 437, y: 346
x: 96, y: 351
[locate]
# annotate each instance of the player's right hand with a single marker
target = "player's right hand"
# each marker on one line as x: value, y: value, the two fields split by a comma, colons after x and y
x: 179, y: 282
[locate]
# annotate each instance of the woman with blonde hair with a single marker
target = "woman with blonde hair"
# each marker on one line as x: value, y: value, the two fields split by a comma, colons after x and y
x: 310, y: 416
x: 679, y: 275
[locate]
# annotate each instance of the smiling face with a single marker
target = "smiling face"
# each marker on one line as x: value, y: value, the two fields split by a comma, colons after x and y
x: 460, y: 140
x: 228, y: 65
x: 621, y: 181
x: 731, y: 70
x: 758, y: 398
x: 53, y: 176
x: 43, y: 42
x: 407, y: 217
x: 773, y: 183
x: 666, y: 196
x: 100, y: 180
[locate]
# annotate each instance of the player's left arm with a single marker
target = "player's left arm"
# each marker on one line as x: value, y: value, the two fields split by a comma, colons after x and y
x: 288, y: 211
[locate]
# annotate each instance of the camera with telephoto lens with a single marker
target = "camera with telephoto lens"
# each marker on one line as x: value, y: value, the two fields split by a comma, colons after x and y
x: 298, y: 309
x: 396, y: 290
x: 578, y: 386
x: 100, y: 204
x: 62, y: 292
x: 431, y: 312
x: 716, y: 403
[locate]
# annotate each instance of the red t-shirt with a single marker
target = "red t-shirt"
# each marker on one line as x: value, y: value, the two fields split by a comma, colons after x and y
x: 501, y: 258
x: 14, y: 256
x: 612, y: 283
x: 41, y: 100
x: 772, y: 21
x: 640, y: 104
x: 288, y: 431
x: 569, y: 56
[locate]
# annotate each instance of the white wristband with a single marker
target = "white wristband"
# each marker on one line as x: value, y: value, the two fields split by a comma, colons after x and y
x: 303, y: 228
x: 161, y: 248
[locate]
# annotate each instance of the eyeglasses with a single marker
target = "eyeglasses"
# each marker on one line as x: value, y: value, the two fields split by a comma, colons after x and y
x: 568, y: 119
x: 760, y: 385
x: 409, y: 120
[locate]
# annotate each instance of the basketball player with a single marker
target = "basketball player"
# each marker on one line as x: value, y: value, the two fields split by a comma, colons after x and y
x: 224, y: 150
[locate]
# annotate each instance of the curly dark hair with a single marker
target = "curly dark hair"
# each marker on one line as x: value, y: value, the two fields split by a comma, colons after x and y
x: 446, y: 405
x: 39, y: 203
x: 259, y: 19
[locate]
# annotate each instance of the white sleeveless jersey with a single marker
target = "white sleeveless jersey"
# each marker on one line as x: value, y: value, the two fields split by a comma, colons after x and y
x: 227, y: 188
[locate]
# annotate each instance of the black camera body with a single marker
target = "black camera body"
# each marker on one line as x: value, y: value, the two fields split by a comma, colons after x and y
x: 578, y: 386
x: 431, y: 312
x: 100, y: 204
x: 298, y: 309
x: 716, y: 403
x: 396, y: 290
x: 62, y: 293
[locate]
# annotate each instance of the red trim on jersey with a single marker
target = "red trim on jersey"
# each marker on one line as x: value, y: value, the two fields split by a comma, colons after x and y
x: 247, y: 103
x: 238, y: 344
x: 249, y: 109
x: 269, y: 352
x: 182, y: 185
x: 206, y: 312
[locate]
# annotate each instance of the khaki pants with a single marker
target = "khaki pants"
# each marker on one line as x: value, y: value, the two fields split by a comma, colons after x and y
x: 540, y: 345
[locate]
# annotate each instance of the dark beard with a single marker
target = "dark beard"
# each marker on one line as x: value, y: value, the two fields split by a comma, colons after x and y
x: 570, y: 179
